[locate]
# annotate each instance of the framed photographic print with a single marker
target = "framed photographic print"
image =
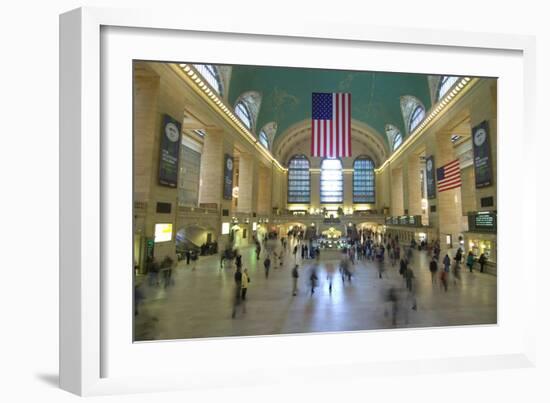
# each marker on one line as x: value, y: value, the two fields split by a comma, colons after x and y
x: 227, y: 190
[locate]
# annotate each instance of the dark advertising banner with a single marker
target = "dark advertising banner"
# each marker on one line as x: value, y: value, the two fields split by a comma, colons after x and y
x: 482, y: 155
x: 430, y: 177
x: 169, y: 152
x: 228, y: 177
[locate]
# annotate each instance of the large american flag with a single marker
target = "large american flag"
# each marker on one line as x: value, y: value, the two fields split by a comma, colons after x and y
x: 331, y: 124
x: 448, y: 176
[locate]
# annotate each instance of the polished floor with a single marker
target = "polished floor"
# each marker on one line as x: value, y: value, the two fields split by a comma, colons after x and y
x: 199, y: 303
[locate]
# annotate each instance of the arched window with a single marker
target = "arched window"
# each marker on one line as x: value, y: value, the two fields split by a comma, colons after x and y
x: 332, y: 181
x: 298, y: 180
x: 363, y: 180
x: 445, y: 84
x: 243, y: 113
x: 397, y: 140
x: 416, y: 117
x: 211, y: 75
x: 262, y: 137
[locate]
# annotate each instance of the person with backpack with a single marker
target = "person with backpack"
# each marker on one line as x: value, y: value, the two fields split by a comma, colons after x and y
x: 295, y: 276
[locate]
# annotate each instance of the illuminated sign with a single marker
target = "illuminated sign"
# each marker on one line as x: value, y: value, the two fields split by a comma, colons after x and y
x: 254, y: 226
x: 485, y: 221
x: 163, y: 232
x: 225, y: 228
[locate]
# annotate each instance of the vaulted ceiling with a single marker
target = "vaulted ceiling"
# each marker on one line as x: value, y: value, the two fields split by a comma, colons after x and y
x: 286, y: 94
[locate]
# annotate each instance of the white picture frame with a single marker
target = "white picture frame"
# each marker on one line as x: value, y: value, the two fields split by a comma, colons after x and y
x: 96, y: 356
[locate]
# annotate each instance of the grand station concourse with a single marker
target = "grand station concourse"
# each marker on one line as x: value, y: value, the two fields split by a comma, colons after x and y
x: 230, y: 171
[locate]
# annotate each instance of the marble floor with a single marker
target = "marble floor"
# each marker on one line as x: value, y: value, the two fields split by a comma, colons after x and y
x: 199, y: 303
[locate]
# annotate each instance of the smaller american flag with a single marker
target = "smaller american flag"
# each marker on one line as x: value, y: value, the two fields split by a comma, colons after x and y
x: 448, y: 176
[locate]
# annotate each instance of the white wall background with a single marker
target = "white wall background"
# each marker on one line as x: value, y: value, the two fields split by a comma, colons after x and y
x: 29, y: 202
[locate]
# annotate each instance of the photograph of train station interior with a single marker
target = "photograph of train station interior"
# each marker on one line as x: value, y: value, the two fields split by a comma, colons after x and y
x: 280, y: 200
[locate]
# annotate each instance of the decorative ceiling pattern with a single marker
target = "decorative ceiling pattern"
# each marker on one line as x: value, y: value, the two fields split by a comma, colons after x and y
x: 286, y: 94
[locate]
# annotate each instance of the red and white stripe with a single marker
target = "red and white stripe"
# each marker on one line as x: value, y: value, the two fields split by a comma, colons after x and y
x: 452, y: 176
x: 332, y: 138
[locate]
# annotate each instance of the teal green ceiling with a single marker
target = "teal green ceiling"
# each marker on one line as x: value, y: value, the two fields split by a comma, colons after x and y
x: 286, y: 93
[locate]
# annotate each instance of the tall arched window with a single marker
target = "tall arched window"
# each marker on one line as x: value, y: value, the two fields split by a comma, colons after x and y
x: 332, y: 181
x: 416, y: 117
x: 395, y: 138
x: 211, y: 75
x: 445, y: 84
x: 363, y: 180
x: 243, y: 113
x: 298, y: 180
x: 262, y: 137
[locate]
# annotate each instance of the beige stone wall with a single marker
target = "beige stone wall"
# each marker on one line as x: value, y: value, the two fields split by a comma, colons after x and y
x: 397, y: 206
x: 152, y: 99
x: 247, y: 174
x: 413, y: 196
x: 468, y: 192
x: 264, y: 189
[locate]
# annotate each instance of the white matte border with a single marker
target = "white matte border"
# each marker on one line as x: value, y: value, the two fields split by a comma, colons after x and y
x: 216, y: 362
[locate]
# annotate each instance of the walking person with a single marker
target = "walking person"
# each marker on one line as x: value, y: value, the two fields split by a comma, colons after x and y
x: 239, y: 260
x: 330, y: 275
x: 470, y: 261
x: 392, y: 298
x: 267, y: 265
x: 238, y: 277
x: 433, y: 270
x: 445, y: 272
x: 245, y: 281
x: 258, y: 250
x: 313, y: 279
x: 187, y: 256
x: 402, y: 266
x: 409, y: 276
x: 153, y: 271
x: 456, y: 273
x: 295, y: 276
x: 458, y: 257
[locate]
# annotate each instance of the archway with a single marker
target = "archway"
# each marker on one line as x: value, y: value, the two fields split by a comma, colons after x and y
x: 197, y: 238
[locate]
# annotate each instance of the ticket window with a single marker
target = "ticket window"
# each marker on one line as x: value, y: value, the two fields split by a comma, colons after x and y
x: 479, y: 246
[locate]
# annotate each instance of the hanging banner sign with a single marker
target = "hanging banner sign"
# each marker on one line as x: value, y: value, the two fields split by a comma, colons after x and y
x: 430, y: 177
x: 169, y: 152
x: 228, y: 177
x: 482, y: 155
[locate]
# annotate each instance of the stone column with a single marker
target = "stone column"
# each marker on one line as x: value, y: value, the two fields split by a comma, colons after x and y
x: 247, y: 183
x: 397, y: 207
x: 484, y: 107
x: 264, y: 190
x: 215, y: 147
x: 449, y: 202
